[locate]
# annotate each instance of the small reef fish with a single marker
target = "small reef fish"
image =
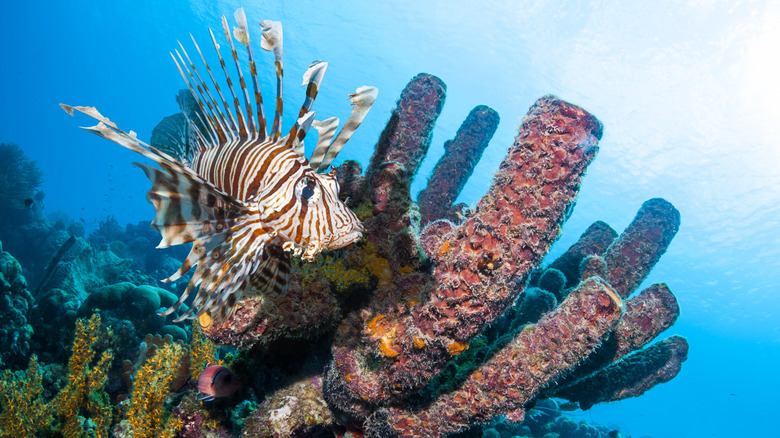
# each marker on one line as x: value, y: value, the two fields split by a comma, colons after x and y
x: 216, y: 381
x: 247, y: 199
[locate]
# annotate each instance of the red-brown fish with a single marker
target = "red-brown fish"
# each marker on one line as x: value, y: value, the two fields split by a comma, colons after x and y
x: 216, y: 381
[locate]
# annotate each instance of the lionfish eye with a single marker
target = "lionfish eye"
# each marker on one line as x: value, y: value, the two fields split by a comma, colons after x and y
x: 307, y: 192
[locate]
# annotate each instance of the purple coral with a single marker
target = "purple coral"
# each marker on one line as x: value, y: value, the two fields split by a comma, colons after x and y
x: 479, y: 263
x: 433, y: 290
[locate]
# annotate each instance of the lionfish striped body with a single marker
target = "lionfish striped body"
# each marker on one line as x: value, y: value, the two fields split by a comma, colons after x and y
x: 246, y: 198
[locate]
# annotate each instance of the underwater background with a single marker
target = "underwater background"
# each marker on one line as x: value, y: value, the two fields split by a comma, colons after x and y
x: 687, y: 92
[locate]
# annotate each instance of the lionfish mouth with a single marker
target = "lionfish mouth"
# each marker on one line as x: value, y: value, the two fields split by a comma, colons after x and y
x: 349, y: 235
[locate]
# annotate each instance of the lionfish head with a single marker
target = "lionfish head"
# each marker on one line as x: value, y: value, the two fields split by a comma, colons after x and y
x: 321, y: 221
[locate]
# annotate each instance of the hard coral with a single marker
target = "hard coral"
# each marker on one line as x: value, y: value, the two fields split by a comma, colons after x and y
x: 152, y: 383
x: 15, y: 302
x: 87, y: 377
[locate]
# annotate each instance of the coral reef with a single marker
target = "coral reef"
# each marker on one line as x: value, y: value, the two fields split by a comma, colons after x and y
x: 478, y: 264
x: 439, y: 321
x: 420, y: 298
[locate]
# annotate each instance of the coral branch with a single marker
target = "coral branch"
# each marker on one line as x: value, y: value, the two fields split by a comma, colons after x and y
x: 24, y: 412
x: 454, y: 168
x: 594, y: 241
x: 407, y: 136
x: 632, y: 375
x: 646, y: 316
x: 631, y: 257
x: 485, y: 258
x: 536, y: 357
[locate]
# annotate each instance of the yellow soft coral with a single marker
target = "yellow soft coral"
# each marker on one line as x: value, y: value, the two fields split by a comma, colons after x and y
x: 202, y: 352
x: 85, y: 390
x: 146, y: 414
x: 24, y: 412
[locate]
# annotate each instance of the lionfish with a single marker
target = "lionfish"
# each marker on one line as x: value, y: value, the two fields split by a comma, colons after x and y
x: 245, y: 198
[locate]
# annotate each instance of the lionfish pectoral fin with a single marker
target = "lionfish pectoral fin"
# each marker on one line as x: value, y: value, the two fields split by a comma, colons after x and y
x: 186, y: 208
x: 225, y: 262
x: 268, y: 274
x: 362, y: 100
x: 273, y: 273
x: 227, y: 237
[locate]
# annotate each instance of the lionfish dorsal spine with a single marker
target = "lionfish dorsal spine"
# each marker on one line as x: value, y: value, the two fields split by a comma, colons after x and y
x: 242, y: 34
x: 326, y: 130
x: 251, y: 128
x: 236, y: 105
x: 312, y: 78
x: 301, y: 127
x: 362, y: 100
x: 217, y: 121
x: 272, y: 41
x: 227, y: 122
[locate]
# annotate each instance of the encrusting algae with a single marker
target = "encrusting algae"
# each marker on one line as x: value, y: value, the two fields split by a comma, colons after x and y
x: 363, y: 267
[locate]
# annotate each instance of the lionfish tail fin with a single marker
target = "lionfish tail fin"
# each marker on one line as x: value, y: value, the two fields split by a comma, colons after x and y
x: 362, y: 100
x: 272, y: 41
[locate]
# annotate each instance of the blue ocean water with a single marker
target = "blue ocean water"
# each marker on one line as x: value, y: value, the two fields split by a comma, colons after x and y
x: 687, y: 92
